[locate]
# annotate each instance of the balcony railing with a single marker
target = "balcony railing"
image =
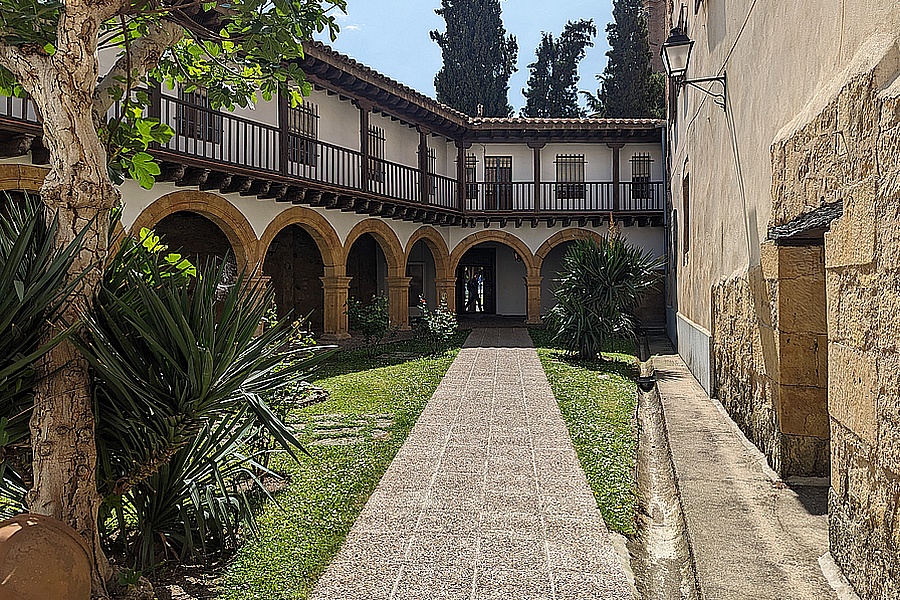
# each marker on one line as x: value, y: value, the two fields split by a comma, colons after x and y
x: 210, y: 138
x: 18, y: 110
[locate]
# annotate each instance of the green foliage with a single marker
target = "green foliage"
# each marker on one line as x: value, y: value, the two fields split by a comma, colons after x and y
x: 628, y: 87
x: 597, y: 291
x: 326, y: 490
x: 255, y: 49
x: 553, y: 85
x: 179, y: 374
x: 436, y: 327
x: 33, y: 288
x: 478, y: 58
x: 597, y: 401
x: 372, y: 320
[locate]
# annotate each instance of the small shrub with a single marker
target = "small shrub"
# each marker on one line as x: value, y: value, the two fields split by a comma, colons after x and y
x: 436, y: 327
x: 372, y: 320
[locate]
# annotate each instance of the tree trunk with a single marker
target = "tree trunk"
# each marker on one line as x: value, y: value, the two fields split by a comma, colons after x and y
x: 77, y: 191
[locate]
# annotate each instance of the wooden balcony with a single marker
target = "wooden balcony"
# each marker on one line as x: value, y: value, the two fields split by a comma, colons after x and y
x: 215, y: 150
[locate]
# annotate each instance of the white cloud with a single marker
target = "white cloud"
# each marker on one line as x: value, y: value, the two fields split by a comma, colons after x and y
x: 353, y: 27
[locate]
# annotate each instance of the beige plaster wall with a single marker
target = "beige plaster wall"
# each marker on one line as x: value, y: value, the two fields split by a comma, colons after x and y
x: 777, y: 57
x: 813, y: 119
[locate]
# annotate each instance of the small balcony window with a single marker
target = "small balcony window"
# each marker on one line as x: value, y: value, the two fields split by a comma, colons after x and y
x: 640, y: 176
x: 471, y: 186
x: 570, y: 176
x: 376, y: 168
x: 303, y: 134
x: 196, y: 119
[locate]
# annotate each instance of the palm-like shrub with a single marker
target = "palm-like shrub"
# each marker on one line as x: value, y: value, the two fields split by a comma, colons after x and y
x: 32, y: 288
x: 179, y: 376
x: 598, y: 289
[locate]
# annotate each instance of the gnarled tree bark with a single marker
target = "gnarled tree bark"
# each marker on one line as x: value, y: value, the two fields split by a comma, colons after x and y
x: 78, y: 192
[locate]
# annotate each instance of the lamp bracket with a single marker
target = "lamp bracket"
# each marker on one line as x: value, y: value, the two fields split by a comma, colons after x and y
x: 718, y: 97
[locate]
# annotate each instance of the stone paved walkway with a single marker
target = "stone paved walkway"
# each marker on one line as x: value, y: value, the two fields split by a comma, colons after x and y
x: 485, y: 500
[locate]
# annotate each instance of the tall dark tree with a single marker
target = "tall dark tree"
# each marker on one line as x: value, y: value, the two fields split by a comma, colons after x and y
x: 628, y: 86
x: 553, y: 86
x: 478, y: 58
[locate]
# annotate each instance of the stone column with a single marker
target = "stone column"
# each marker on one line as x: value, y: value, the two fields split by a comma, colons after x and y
x: 263, y: 281
x: 398, y: 301
x: 446, y: 286
x: 533, y: 295
x: 336, y: 288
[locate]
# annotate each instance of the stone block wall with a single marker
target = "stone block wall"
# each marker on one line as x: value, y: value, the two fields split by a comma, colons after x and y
x: 850, y: 152
x: 745, y: 357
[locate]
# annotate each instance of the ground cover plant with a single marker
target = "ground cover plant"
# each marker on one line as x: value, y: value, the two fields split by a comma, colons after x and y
x: 597, y: 400
x: 351, y: 439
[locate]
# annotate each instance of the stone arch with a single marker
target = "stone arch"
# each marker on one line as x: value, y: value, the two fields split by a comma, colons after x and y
x: 561, y: 237
x: 494, y: 235
x: 315, y: 225
x: 435, y: 242
x: 386, y: 238
x: 25, y: 178
x: 217, y: 209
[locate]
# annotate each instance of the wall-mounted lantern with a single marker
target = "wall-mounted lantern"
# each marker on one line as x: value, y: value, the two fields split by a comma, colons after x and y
x: 676, y: 56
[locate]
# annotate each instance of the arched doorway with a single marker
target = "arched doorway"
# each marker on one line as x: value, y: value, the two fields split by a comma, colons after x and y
x: 295, y: 267
x: 490, y: 280
x: 422, y: 273
x: 199, y: 240
x: 551, y: 265
x: 367, y: 267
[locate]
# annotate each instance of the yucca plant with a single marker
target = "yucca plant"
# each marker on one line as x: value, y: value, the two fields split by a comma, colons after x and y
x: 33, y: 287
x: 179, y: 376
x: 598, y: 289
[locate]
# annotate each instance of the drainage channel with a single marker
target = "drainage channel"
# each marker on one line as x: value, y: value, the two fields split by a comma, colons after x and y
x: 661, y: 552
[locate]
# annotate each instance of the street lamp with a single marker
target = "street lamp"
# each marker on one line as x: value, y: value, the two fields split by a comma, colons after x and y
x: 676, y: 55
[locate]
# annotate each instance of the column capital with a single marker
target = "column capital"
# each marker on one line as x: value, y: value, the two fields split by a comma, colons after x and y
x: 398, y: 281
x: 533, y: 280
x: 335, y: 282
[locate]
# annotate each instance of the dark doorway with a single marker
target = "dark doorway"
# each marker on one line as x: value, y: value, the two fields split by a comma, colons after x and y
x: 363, y: 262
x: 476, y: 285
x: 199, y: 240
x: 294, y: 263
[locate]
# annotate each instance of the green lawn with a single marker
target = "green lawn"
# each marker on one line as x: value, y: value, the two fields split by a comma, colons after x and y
x: 374, y: 403
x: 597, y: 400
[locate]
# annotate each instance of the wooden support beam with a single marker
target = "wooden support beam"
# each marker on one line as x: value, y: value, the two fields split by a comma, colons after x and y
x: 296, y: 195
x: 193, y: 177
x: 257, y: 187
x: 171, y: 172
x: 234, y: 184
x: 276, y: 192
x: 16, y: 145
x: 215, y: 180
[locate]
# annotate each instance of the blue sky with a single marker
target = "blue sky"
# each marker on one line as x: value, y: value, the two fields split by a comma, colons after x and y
x: 391, y: 36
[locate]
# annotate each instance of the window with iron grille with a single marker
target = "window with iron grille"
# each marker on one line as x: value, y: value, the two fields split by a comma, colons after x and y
x: 196, y: 119
x: 570, y: 176
x: 432, y: 171
x: 303, y: 133
x: 640, y: 176
x: 471, y: 186
x: 498, y: 190
x: 376, y: 154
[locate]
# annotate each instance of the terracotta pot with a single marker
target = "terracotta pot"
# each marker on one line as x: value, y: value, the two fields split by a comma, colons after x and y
x: 42, y: 559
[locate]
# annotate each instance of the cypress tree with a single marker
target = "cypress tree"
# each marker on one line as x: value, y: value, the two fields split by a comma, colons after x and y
x: 478, y: 58
x: 552, y: 87
x: 628, y: 86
